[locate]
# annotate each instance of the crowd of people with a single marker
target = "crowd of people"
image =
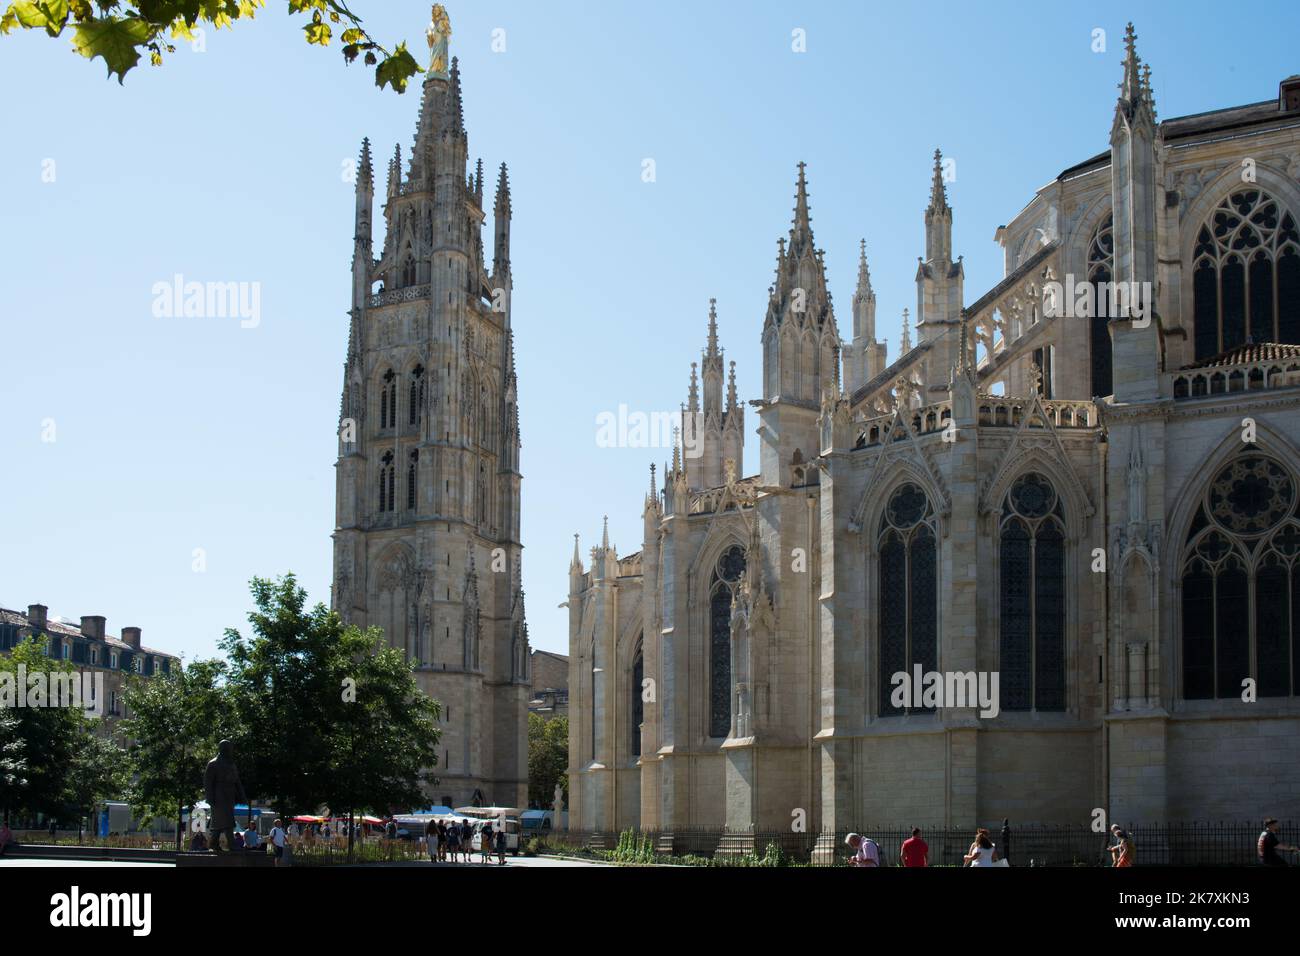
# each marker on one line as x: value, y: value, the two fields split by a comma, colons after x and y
x: 984, y: 852
x: 449, y: 841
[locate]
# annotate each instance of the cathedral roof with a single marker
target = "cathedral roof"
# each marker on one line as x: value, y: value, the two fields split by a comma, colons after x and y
x: 1249, y: 354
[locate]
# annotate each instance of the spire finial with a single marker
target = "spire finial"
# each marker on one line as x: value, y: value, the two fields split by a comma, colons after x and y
x: 654, y: 490
x: 577, y: 560
x: 907, y: 334
x: 731, y: 387
x: 604, y: 537
x: 864, y: 273
x: 366, y: 173
x: 938, y: 192
x: 713, y: 327
x: 693, y: 402
x: 801, y: 228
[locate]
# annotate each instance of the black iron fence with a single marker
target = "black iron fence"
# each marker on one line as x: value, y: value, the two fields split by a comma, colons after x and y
x: 1172, y: 844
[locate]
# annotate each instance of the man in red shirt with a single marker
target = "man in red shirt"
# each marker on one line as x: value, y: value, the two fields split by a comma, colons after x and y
x: 915, y: 852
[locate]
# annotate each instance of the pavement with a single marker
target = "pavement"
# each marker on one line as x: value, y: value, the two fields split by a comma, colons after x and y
x: 527, y: 862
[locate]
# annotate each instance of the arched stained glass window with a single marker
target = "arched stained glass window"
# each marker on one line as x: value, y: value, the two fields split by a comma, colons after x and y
x: 726, y: 577
x: 412, y: 474
x: 1101, y: 269
x: 1241, y: 584
x: 1246, y: 274
x: 1031, y: 640
x: 908, y: 621
x: 386, y: 482
x: 638, y: 705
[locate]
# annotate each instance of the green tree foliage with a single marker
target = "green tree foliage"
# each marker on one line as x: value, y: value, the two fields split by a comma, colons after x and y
x: 52, y: 741
x: 384, y: 732
x: 13, y: 762
x: 323, y: 712
x: 121, y: 31
x: 175, y: 723
x: 548, y: 759
x: 99, y: 773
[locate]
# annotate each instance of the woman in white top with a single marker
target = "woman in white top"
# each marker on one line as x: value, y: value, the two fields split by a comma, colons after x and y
x: 982, y: 852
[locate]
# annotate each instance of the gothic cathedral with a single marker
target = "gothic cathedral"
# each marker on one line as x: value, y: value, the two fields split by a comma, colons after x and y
x: 1097, y: 504
x: 426, y: 543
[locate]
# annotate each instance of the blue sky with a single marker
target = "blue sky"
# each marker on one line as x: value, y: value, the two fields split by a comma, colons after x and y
x: 226, y: 166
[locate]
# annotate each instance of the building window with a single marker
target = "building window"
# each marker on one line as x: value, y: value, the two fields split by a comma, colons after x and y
x: 908, y: 623
x: 638, y: 705
x: 112, y: 660
x: 412, y: 473
x: 1031, y: 642
x: 1246, y: 275
x: 1243, y: 553
x: 416, y: 404
x: 726, y: 577
x: 1101, y: 270
x: 408, y: 270
x: 386, y: 482
x: 388, y: 400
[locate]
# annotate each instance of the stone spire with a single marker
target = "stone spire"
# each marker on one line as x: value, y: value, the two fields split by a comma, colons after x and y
x: 693, y: 402
x: 938, y: 217
x: 801, y: 225
x: 501, y: 214
x: 731, y: 388
x: 395, y: 170
x: 907, y: 336
x: 711, y: 366
x: 865, y: 357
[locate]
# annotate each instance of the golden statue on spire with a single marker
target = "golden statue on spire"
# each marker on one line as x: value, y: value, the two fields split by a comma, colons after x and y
x: 438, y: 35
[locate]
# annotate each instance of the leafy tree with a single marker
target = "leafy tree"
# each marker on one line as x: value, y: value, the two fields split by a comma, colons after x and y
x: 120, y: 31
x: 299, y: 739
x: 548, y: 759
x: 13, y: 762
x: 385, y: 731
x: 174, y: 726
x: 98, y: 773
x: 50, y: 738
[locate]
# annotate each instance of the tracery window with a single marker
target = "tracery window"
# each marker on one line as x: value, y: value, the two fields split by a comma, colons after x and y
x: 1101, y: 269
x: 1031, y: 643
x: 909, y: 610
x: 1241, y: 584
x: 727, y: 573
x: 638, y: 705
x: 388, y: 400
x: 386, y: 482
x: 412, y: 475
x: 408, y: 271
x: 1246, y: 274
x: 416, y: 403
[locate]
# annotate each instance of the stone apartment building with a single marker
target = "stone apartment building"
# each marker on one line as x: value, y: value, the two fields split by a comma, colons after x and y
x: 90, y: 649
x: 550, y: 673
x: 1098, y: 506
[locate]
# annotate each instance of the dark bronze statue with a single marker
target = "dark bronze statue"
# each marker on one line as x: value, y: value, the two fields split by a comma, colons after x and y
x: 223, y: 789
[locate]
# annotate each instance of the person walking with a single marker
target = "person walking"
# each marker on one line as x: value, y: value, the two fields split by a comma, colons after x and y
x: 914, y: 851
x: 485, y: 842
x: 501, y: 847
x: 1269, y: 843
x: 278, y: 838
x: 453, y: 841
x: 252, y: 839
x: 431, y: 839
x: 982, y: 852
x: 1123, y: 853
